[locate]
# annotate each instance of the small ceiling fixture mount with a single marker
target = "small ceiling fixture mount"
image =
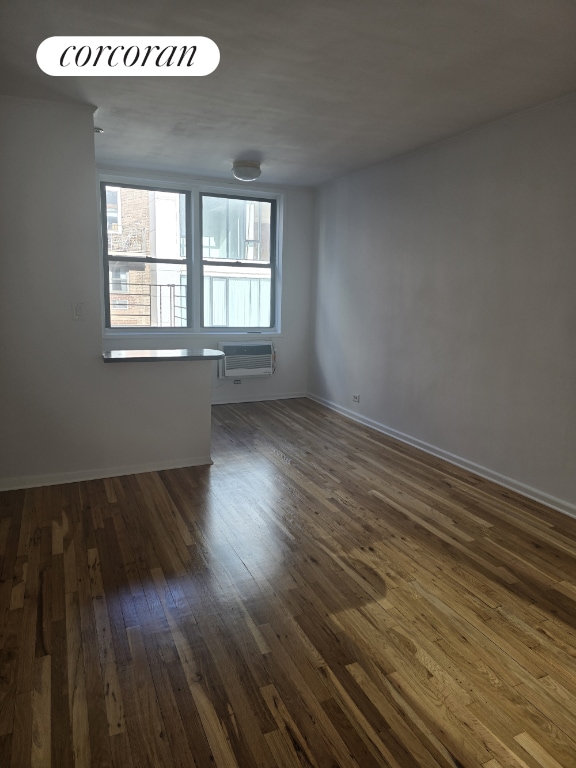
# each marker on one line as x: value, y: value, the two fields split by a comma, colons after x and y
x: 98, y: 130
x: 246, y: 170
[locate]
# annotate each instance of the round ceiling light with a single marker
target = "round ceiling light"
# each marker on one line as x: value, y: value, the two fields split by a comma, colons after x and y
x: 245, y: 170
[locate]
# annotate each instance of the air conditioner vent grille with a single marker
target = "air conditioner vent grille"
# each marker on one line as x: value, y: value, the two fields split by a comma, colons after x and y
x: 247, y: 359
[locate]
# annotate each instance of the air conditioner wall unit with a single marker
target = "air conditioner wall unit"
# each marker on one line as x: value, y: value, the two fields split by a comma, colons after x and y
x: 248, y: 358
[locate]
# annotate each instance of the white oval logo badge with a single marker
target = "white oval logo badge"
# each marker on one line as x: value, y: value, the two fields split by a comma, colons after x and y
x: 128, y: 56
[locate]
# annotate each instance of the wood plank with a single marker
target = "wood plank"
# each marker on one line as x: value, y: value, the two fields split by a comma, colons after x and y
x: 321, y: 596
x: 21, y: 744
x: 8, y: 671
x: 61, y: 722
x: 41, y: 755
x: 108, y: 664
x: 531, y: 746
x: 287, y: 744
x: 77, y: 700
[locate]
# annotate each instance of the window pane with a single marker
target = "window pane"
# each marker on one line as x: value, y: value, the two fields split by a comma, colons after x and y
x: 147, y: 294
x: 236, y: 229
x: 219, y: 303
x: 237, y: 296
x: 146, y: 223
x: 118, y: 277
x: 113, y: 209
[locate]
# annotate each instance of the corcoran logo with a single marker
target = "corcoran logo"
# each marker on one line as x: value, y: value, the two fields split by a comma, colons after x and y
x: 127, y: 56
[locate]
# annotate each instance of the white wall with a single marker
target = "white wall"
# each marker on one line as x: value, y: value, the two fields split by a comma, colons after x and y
x: 64, y: 413
x: 446, y: 299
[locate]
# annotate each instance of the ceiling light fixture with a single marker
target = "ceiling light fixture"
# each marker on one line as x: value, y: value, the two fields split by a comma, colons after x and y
x: 245, y: 170
x: 98, y: 130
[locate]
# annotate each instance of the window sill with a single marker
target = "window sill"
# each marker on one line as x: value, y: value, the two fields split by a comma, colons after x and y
x: 160, y: 355
x: 133, y: 333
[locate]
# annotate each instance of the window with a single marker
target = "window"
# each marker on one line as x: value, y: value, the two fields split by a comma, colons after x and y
x: 238, y: 262
x: 146, y: 256
x: 164, y: 270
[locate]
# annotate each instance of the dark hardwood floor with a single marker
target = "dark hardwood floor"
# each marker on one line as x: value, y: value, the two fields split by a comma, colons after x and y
x: 321, y: 596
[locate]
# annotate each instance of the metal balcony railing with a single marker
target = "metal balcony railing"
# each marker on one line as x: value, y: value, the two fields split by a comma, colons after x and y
x: 229, y: 299
x: 158, y: 306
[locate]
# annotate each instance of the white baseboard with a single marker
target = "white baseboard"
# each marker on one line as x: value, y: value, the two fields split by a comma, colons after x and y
x: 507, y: 482
x: 58, y: 478
x: 257, y: 398
x: 37, y: 481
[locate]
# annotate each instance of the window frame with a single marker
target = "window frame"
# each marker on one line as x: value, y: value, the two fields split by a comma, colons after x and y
x: 107, y: 257
x: 242, y: 264
x: 193, y: 189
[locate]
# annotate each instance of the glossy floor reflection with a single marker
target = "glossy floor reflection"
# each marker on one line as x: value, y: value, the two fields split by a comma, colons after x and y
x: 321, y: 596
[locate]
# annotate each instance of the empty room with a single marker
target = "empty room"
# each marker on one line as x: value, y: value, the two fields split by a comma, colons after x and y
x: 288, y: 384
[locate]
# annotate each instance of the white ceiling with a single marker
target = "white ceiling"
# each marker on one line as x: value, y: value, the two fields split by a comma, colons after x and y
x: 313, y: 88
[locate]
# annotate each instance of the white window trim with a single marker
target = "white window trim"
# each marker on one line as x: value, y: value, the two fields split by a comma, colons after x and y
x: 195, y: 187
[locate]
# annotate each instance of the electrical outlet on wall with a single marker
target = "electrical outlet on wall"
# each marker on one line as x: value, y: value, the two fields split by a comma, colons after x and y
x: 78, y: 310
x: 355, y: 398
